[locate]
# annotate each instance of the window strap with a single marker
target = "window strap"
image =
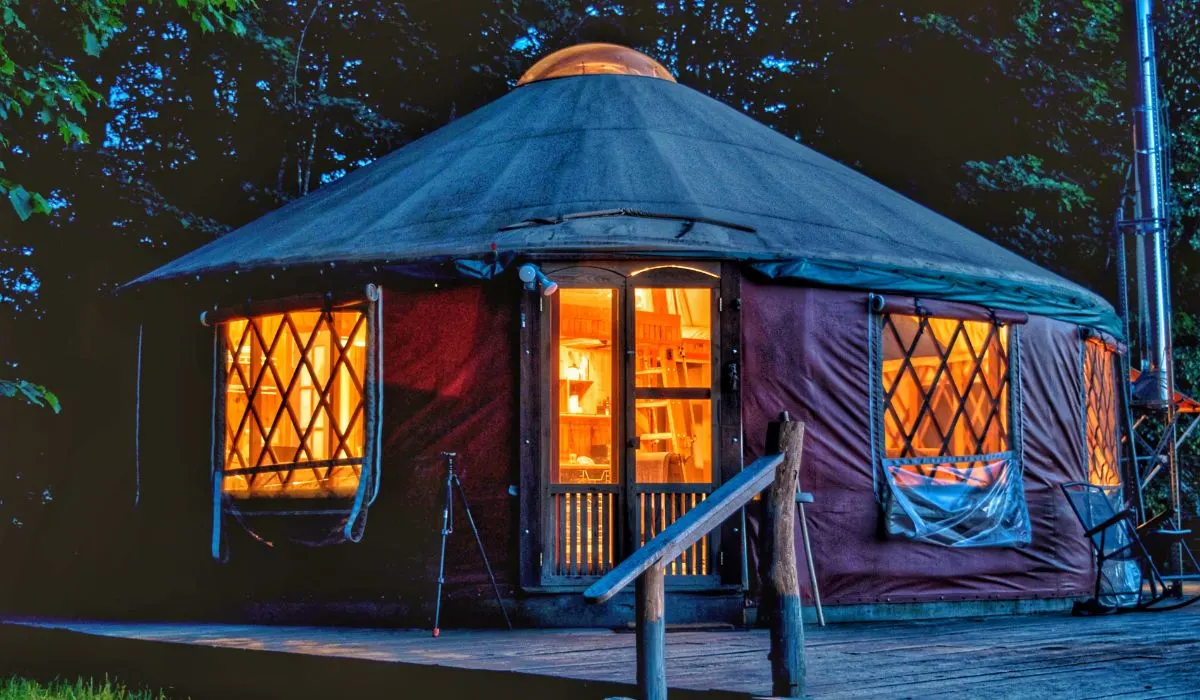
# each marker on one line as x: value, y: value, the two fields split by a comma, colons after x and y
x: 215, y: 446
x: 875, y: 409
x: 1083, y: 405
x: 368, y: 480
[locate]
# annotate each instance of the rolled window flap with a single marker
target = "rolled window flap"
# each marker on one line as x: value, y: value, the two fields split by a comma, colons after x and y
x: 345, y: 299
x: 917, y: 306
x: 1109, y: 341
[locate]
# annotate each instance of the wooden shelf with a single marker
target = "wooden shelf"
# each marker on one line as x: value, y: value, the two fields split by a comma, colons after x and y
x: 657, y: 436
x: 586, y: 416
x: 579, y: 387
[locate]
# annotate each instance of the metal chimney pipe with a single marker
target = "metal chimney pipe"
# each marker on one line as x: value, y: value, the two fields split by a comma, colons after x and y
x: 1155, y: 386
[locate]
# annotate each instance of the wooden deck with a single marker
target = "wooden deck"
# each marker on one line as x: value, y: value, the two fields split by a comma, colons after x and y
x: 1149, y: 655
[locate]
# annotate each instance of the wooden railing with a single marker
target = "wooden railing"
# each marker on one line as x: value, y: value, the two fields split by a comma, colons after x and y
x: 781, y: 590
x: 657, y: 510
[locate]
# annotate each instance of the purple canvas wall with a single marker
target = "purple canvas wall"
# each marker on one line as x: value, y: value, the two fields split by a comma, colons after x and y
x: 449, y: 371
x: 806, y: 351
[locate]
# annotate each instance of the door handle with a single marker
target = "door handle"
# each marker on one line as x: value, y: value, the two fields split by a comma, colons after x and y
x: 635, y: 442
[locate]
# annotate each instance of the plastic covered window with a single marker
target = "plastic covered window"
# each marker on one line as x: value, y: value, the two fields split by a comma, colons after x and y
x: 1100, y: 414
x: 948, y: 462
x: 295, y: 414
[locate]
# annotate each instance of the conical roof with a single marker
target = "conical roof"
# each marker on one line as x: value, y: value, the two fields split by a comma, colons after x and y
x: 636, y: 166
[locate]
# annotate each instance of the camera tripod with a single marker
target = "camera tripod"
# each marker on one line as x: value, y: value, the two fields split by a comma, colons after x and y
x: 452, y: 483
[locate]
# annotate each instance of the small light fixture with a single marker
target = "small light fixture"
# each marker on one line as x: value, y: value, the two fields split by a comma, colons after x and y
x: 532, y: 276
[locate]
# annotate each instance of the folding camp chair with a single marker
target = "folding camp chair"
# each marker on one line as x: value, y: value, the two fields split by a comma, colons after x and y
x: 1119, y: 552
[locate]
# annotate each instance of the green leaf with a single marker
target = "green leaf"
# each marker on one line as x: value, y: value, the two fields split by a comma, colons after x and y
x: 40, y: 205
x: 51, y: 400
x: 70, y: 131
x: 91, y: 44
x: 11, y: 19
x: 21, y: 201
x: 32, y: 394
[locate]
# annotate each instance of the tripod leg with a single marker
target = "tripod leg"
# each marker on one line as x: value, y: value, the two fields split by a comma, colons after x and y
x: 482, y: 553
x: 446, y: 526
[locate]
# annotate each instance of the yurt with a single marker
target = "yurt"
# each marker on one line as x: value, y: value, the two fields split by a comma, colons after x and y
x: 596, y: 292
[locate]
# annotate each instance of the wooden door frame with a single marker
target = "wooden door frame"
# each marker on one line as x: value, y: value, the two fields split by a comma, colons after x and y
x: 535, y: 440
x: 588, y: 276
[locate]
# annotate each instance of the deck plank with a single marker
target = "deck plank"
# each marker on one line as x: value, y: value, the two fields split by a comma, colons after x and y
x: 1136, y: 656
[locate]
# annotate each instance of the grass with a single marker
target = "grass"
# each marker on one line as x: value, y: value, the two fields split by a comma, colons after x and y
x: 22, y: 689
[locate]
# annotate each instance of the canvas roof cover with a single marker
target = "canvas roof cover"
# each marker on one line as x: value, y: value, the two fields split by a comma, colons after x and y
x: 627, y: 147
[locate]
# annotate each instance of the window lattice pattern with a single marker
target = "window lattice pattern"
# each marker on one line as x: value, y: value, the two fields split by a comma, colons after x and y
x: 1101, y: 418
x: 946, y: 392
x: 294, y: 408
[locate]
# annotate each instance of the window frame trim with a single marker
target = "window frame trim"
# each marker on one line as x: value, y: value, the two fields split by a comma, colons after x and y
x: 369, y: 300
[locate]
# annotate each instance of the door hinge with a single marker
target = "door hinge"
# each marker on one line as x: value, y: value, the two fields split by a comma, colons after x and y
x: 720, y: 304
x: 539, y: 560
x: 721, y: 559
x: 540, y: 300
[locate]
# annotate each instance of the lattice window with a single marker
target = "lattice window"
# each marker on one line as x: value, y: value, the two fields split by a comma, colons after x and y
x: 946, y: 394
x: 1100, y: 418
x: 295, y: 416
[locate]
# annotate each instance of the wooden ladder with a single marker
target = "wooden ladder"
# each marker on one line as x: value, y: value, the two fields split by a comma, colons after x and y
x: 670, y: 377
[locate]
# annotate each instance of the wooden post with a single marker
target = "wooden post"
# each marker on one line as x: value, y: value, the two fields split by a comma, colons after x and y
x: 651, y: 634
x: 781, y: 583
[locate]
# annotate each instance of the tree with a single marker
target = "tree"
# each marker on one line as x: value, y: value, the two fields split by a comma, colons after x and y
x: 41, y: 46
x: 44, y: 97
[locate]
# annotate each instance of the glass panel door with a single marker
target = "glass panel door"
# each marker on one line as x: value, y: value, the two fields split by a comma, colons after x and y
x: 672, y: 425
x: 585, y: 476
x: 630, y: 405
